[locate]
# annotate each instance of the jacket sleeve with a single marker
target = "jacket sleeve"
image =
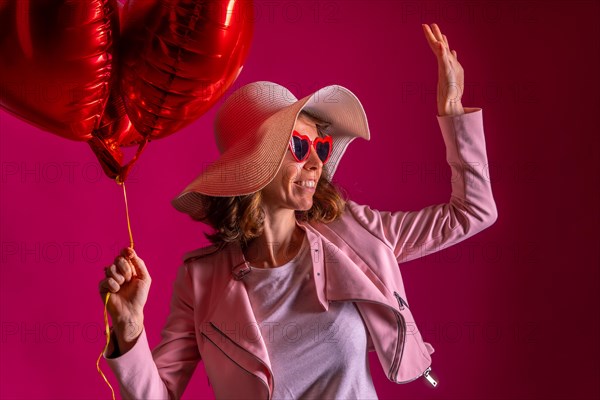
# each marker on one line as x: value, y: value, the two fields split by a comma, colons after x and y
x: 413, y: 234
x: 164, y: 372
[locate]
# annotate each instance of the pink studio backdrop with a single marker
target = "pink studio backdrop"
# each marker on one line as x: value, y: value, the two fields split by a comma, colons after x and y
x: 512, y: 312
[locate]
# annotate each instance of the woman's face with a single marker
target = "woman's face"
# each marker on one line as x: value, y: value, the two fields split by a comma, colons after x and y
x: 295, y: 183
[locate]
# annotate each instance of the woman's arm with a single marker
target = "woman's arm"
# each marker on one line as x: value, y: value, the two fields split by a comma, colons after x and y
x: 471, y: 207
x: 413, y: 234
x: 164, y: 372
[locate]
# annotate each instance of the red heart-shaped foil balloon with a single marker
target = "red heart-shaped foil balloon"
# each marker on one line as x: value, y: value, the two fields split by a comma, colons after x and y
x: 178, y: 57
x: 57, y: 62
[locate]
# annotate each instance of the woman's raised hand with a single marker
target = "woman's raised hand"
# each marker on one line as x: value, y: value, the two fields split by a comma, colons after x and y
x: 129, y: 282
x: 451, y: 77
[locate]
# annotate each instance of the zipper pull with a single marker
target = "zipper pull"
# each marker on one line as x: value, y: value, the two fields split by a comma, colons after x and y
x: 429, y: 377
x: 400, y: 300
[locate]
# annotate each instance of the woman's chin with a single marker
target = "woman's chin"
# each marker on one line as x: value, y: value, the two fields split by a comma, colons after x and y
x: 304, y: 205
x: 302, y: 199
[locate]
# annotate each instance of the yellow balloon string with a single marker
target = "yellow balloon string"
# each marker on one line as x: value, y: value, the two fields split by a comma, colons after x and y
x: 126, y: 212
x: 106, y: 326
x: 107, y: 332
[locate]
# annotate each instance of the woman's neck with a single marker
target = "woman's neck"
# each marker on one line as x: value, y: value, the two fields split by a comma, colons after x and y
x: 279, y: 243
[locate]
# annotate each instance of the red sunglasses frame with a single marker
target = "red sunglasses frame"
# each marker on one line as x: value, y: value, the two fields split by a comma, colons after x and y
x: 311, y: 143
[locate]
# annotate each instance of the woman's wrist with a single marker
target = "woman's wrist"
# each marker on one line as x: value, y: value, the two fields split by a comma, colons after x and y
x: 127, y: 331
x: 450, y: 108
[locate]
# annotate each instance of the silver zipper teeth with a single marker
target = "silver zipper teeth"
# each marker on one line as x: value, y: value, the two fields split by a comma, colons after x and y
x: 401, y: 307
x: 259, y: 360
x: 425, y: 373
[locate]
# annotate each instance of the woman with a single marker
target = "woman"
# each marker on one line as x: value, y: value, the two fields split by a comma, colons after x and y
x: 299, y: 283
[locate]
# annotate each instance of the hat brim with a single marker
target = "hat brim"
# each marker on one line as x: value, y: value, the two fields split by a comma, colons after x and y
x: 249, y: 165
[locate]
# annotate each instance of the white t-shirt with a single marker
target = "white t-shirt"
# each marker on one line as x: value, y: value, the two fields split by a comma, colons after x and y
x: 315, y: 354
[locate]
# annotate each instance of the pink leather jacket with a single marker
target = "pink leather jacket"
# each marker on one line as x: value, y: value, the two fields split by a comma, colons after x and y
x: 354, y: 258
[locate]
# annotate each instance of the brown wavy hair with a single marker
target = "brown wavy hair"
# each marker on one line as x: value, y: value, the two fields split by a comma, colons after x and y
x: 240, y: 218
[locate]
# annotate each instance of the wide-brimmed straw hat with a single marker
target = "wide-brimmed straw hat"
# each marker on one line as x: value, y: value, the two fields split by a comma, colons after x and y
x: 252, y: 130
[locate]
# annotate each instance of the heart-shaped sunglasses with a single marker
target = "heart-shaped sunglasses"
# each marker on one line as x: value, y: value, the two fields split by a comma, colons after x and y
x: 300, y: 147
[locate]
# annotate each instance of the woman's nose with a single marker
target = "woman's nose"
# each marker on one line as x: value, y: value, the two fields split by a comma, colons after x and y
x: 313, y: 161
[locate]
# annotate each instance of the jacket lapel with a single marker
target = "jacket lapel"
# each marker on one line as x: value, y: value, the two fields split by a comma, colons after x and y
x: 233, y: 318
x: 347, y: 276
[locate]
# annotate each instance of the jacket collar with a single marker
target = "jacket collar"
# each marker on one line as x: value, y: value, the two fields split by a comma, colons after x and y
x: 347, y: 276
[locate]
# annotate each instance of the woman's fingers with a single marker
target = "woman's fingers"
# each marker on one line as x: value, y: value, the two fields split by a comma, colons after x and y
x: 437, y: 33
x: 124, y: 267
x: 453, y: 52
x: 430, y: 37
x: 113, y: 285
x: 127, y: 266
x: 139, y: 267
x: 436, y: 41
x: 112, y: 272
x: 126, y: 253
x: 109, y: 285
x: 439, y: 43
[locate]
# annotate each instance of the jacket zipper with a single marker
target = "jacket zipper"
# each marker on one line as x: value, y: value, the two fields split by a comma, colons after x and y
x: 401, y: 328
x: 401, y: 301
x: 430, y: 379
x: 398, y: 355
x: 401, y: 307
x: 259, y: 360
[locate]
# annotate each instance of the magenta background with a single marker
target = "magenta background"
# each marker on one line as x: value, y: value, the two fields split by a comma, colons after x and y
x: 512, y: 312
